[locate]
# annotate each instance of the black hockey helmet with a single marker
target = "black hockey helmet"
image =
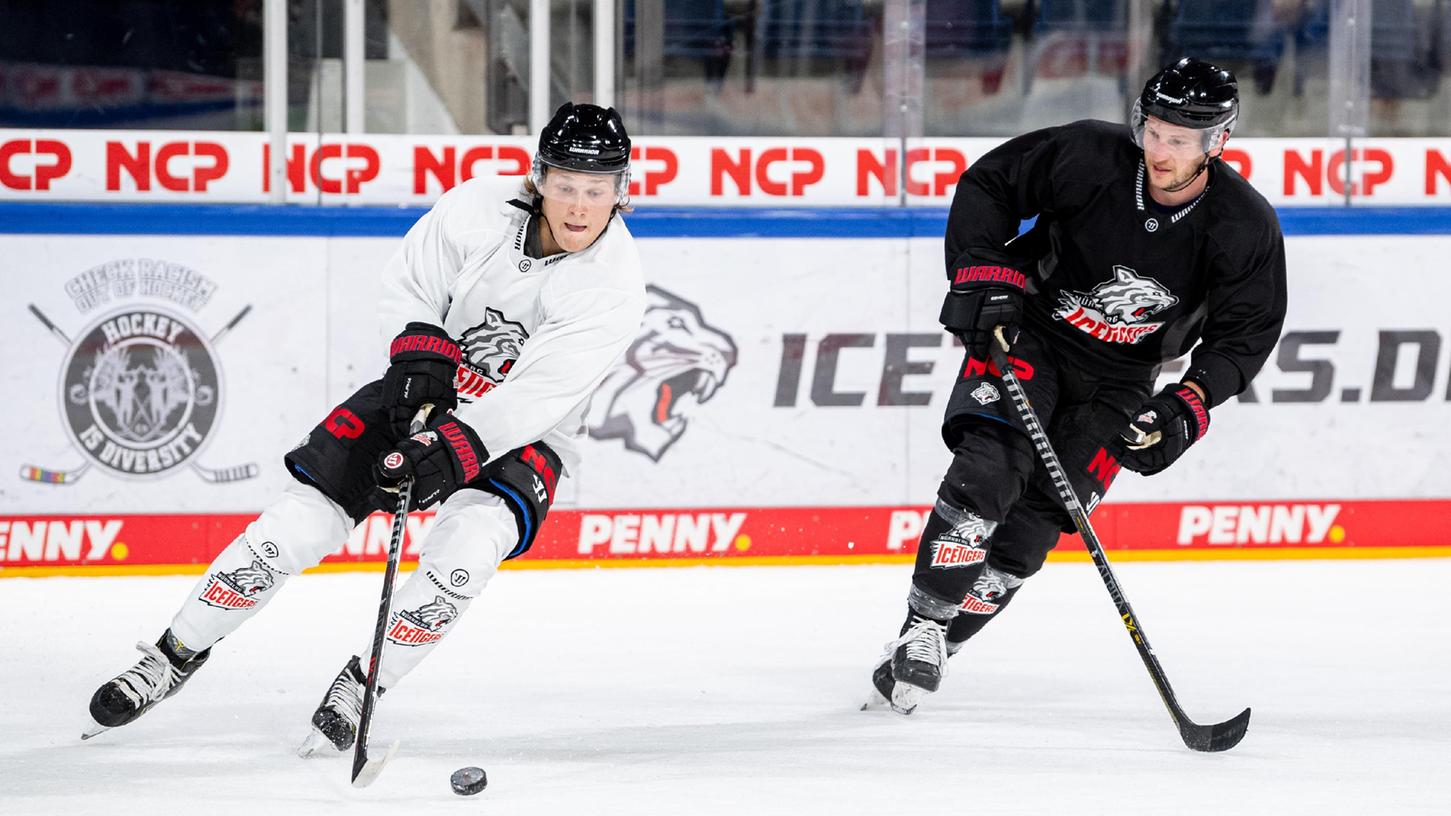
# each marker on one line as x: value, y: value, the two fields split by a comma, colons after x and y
x: 1190, y: 93
x: 585, y: 138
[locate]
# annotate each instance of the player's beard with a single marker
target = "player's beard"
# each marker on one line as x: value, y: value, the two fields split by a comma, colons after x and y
x: 1182, y: 181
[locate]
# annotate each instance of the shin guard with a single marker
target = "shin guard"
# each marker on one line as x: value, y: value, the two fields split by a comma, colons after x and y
x: 990, y: 592
x: 473, y: 533
x: 294, y: 533
x: 953, y: 548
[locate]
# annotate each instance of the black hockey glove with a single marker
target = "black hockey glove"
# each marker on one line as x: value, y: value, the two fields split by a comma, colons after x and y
x: 441, y: 458
x: 1163, y: 428
x: 422, y: 362
x: 983, y: 297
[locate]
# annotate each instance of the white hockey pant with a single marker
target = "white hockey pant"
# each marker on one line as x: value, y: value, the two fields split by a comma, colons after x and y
x: 471, y: 534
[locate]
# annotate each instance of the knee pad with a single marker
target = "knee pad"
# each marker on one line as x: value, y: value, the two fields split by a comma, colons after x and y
x: 472, y: 534
x: 990, y: 467
x: 298, y: 530
x: 295, y: 532
x: 1023, y: 541
x: 525, y: 479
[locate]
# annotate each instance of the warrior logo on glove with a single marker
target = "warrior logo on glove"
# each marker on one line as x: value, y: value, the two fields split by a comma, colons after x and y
x: 438, y: 470
x: 983, y: 297
x: 1163, y: 429
x: 422, y: 363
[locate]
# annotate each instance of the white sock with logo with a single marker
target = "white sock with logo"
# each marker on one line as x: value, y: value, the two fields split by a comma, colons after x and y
x: 295, y: 532
x: 472, y: 534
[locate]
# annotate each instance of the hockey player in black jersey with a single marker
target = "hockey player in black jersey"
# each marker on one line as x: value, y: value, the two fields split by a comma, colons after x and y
x: 1146, y: 247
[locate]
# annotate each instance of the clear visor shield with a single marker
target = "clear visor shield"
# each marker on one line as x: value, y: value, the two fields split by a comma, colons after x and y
x: 1159, y: 137
x: 574, y: 188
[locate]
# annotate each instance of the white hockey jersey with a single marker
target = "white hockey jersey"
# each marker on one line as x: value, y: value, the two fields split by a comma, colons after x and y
x: 538, y: 335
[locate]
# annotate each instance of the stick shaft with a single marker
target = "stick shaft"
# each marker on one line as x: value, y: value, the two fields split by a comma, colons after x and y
x: 1194, y: 735
x: 385, y: 602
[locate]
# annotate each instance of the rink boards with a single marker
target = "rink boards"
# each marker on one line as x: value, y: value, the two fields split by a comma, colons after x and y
x: 166, y: 544
x: 782, y: 402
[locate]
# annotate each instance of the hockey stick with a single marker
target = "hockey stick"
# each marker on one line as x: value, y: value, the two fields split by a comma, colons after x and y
x: 235, y: 473
x: 54, y: 329
x: 33, y: 473
x: 232, y: 323
x: 366, y: 768
x: 1217, y: 737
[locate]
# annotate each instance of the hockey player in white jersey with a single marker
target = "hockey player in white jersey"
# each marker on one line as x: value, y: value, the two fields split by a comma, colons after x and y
x: 504, y: 309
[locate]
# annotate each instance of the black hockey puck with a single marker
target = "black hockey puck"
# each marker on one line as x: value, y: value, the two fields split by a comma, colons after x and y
x: 468, y: 781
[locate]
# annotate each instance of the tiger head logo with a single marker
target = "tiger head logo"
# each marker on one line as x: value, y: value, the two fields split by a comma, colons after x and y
x: 1117, y: 310
x: 1129, y: 299
x: 491, y: 347
x: 676, y: 363
x: 250, y: 580
x: 432, y: 616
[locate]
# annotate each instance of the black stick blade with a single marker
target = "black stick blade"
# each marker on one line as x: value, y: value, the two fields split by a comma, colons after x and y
x: 1214, y: 738
x: 360, y: 760
x: 367, y: 767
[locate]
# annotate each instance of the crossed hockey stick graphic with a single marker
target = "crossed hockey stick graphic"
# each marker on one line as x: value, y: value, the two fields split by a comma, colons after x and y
x: 236, y: 473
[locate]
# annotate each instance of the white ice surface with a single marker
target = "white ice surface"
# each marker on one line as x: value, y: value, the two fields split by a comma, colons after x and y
x: 735, y: 691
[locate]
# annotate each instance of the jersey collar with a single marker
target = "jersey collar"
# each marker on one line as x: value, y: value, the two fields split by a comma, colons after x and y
x: 1153, y: 223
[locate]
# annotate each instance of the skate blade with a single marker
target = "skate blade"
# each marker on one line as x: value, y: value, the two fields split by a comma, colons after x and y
x: 905, y: 697
x: 93, y: 729
x: 875, y: 702
x: 373, y: 766
x: 315, y: 744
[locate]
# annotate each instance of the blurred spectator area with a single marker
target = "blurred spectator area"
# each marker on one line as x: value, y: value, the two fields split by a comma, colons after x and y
x: 130, y: 63
x: 1280, y: 51
x: 701, y: 67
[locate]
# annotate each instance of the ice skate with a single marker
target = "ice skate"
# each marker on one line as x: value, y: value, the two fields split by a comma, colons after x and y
x: 882, y: 683
x: 912, y: 666
x: 335, y: 722
x: 164, y: 667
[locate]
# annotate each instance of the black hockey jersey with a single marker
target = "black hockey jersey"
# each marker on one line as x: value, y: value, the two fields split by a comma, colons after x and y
x: 1116, y: 281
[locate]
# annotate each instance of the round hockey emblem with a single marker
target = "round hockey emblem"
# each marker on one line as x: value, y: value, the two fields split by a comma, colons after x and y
x: 393, y: 461
x: 1151, y: 225
x: 140, y: 391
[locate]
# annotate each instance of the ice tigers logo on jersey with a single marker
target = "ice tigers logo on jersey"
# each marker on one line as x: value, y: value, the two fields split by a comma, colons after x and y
x: 1117, y: 310
x: 989, y: 588
x: 963, y: 545
x: 237, y: 589
x: 424, y: 625
x: 489, y: 351
x: 676, y: 363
